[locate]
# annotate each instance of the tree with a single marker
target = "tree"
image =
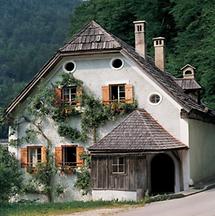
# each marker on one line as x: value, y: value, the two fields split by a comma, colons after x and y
x: 38, y: 113
x: 10, y: 175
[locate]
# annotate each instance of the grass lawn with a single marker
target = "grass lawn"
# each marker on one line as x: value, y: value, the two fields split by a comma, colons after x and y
x: 37, y: 209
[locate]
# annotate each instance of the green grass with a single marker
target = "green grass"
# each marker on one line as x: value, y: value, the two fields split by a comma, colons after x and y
x: 37, y: 209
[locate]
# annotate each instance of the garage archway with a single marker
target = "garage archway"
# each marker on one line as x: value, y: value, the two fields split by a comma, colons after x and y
x: 162, y: 174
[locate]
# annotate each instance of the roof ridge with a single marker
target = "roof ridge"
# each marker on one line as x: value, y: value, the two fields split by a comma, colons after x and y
x: 82, y: 39
x: 76, y: 35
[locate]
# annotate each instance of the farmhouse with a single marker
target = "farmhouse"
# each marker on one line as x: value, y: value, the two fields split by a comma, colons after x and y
x: 165, y: 145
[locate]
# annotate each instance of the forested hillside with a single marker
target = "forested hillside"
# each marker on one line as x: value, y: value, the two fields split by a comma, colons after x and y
x: 30, y: 32
x: 188, y: 26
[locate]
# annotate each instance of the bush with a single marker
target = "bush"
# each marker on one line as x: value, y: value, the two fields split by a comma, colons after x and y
x: 10, y: 175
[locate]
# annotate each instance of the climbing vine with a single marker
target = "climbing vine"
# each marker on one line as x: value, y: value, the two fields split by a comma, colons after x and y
x: 92, y: 113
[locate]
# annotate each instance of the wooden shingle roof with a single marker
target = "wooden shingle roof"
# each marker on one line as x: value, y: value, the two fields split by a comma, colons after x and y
x: 91, y: 37
x: 188, y: 84
x: 138, y: 132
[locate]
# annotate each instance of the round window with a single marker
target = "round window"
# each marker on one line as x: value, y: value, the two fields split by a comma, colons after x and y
x: 155, y: 98
x: 69, y: 66
x: 117, y: 63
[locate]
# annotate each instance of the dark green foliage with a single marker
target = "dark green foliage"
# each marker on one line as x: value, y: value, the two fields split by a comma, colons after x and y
x: 68, y: 80
x: 69, y: 132
x: 94, y: 113
x: 195, y: 43
x: 83, y: 180
x: 10, y: 175
x: 117, y: 16
x: 30, y: 32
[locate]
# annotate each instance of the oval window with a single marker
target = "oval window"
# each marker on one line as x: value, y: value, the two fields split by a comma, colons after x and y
x: 117, y: 63
x: 154, y: 98
x: 69, y: 66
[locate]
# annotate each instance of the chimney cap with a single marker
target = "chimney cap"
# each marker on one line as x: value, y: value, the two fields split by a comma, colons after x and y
x: 139, y: 21
x: 158, y: 38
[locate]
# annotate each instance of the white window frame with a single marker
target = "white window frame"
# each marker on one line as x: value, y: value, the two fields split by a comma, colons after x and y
x: 155, y: 93
x: 68, y: 89
x: 64, y: 66
x: 111, y: 64
x: 32, y: 162
x: 119, y: 99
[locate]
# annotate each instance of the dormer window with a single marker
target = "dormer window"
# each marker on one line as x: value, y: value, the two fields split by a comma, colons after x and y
x: 188, y: 71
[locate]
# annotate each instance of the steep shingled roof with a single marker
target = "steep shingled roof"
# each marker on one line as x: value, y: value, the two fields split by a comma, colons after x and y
x: 91, y: 37
x: 138, y: 132
x: 94, y: 39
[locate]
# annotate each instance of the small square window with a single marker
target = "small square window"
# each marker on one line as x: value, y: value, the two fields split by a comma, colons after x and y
x: 118, y: 165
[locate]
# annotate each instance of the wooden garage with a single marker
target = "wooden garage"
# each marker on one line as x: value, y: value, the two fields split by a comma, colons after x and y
x: 127, y: 158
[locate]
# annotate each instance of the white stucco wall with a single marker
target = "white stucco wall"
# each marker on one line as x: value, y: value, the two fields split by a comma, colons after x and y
x: 109, y: 195
x: 96, y: 71
x: 202, y: 150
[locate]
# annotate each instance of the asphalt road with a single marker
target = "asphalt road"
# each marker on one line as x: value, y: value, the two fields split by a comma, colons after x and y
x: 201, y: 204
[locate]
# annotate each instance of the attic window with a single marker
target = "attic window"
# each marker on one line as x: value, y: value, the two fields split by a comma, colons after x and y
x: 155, y: 99
x: 188, y: 72
x: 117, y: 63
x: 69, y: 67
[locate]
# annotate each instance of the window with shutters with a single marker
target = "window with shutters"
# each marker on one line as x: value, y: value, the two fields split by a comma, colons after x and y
x: 34, y: 156
x: 68, y: 95
x: 120, y: 93
x: 117, y: 93
x: 68, y: 156
x: 30, y: 156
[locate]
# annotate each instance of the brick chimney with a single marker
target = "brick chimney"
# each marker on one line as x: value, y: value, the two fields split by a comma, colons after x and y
x: 159, y: 52
x: 140, y: 45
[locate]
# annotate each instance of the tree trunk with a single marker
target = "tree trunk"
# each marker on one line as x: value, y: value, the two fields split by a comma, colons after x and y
x: 94, y: 135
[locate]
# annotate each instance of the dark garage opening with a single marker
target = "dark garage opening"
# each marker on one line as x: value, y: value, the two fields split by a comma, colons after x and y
x: 162, y: 174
